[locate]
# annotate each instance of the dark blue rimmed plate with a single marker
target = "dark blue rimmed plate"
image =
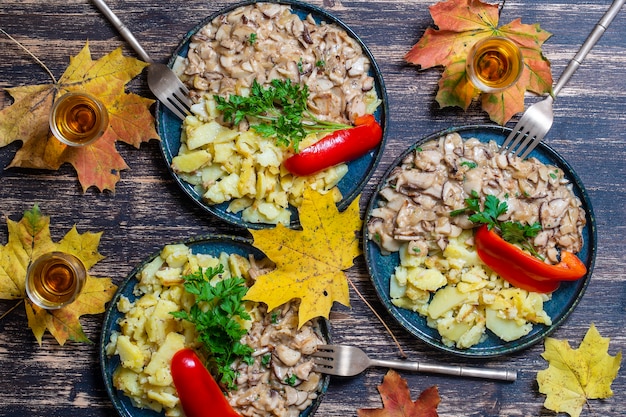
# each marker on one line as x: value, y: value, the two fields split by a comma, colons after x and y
x: 563, y: 301
x: 213, y: 245
x: 359, y: 170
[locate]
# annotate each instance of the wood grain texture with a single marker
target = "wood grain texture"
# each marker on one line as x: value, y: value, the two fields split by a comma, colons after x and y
x: 148, y: 209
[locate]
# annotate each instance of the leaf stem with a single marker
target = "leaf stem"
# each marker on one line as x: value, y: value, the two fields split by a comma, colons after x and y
x: 6, y: 313
x: 395, y: 340
x: 54, y: 80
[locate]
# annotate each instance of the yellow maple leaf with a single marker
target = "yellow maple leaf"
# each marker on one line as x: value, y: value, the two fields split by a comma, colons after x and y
x: 309, y: 262
x: 98, y: 164
x: 575, y: 376
x: 30, y: 238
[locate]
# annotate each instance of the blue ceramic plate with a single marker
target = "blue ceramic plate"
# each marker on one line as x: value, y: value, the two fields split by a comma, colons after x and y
x: 213, y: 245
x: 359, y: 170
x: 563, y: 301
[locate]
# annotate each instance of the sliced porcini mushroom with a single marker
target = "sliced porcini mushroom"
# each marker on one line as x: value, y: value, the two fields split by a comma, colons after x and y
x: 325, y: 103
x: 288, y: 356
x: 551, y: 212
x: 357, y: 67
x: 302, y: 398
x: 416, y: 180
x: 279, y: 369
x: 306, y: 35
x: 408, y: 216
x: 355, y: 108
x: 443, y: 226
x: 429, y: 160
x: 542, y: 238
x: 270, y: 10
x: 368, y: 84
x: 311, y: 384
x: 195, y: 64
x: 473, y: 181
x: 303, y: 370
x: 223, y: 32
x: 501, y: 161
x: 306, y: 341
x: 291, y: 395
x: 553, y: 255
x: 242, y: 33
x: 297, y: 27
x: 452, y: 194
x: 382, y: 236
x: 200, y: 83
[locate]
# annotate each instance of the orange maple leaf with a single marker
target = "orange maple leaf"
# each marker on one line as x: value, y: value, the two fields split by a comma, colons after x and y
x: 462, y: 23
x: 30, y: 238
x: 309, y: 262
x: 397, y: 402
x: 98, y: 164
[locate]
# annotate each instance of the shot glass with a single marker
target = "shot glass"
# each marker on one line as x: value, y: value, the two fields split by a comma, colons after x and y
x: 78, y: 119
x: 494, y: 64
x: 55, y: 280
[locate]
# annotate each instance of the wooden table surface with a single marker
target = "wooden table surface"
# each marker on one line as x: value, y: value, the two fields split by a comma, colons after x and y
x: 148, y: 209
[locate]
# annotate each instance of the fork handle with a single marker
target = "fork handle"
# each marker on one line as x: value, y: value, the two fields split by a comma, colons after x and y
x: 466, y: 371
x: 123, y: 30
x: 593, y: 38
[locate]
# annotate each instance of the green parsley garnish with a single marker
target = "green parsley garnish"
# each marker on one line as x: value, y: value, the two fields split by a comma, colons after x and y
x: 215, y: 315
x: 320, y: 63
x: 252, y: 38
x: 469, y: 164
x: 291, y: 380
x: 266, y: 359
x: 274, y: 317
x: 279, y: 111
x: 513, y: 232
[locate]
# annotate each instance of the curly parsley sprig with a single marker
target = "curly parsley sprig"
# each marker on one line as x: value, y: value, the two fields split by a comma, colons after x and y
x: 513, y: 232
x: 281, y: 110
x: 215, y: 314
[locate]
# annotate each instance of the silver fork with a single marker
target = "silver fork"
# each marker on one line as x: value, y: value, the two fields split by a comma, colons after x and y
x: 349, y: 361
x: 163, y: 82
x: 538, y: 118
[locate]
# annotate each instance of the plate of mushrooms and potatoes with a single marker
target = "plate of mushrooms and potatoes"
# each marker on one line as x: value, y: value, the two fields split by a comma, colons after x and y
x: 224, y: 162
x: 428, y: 228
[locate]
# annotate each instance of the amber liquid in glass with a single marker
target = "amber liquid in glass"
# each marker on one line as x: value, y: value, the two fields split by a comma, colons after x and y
x: 496, y: 64
x: 78, y: 119
x: 55, y: 279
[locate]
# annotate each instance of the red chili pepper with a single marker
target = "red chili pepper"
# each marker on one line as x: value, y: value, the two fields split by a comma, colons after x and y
x: 522, y: 269
x: 199, y: 394
x: 337, y: 147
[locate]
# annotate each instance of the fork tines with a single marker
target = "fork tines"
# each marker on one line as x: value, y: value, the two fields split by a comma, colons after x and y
x: 323, y: 358
x: 179, y: 103
x: 324, y: 353
x: 519, y: 136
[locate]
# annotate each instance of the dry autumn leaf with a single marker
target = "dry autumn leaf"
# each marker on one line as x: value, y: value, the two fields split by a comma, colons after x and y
x: 460, y: 24
x: 98, y: 164
x: 397, y: 402
x: 30, y: 238
x: 575, y: 376
x: 309, y: 262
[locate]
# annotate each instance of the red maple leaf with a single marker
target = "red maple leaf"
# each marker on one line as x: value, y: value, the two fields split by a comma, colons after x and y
x: 462, y: 23
x: 397, y: 402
